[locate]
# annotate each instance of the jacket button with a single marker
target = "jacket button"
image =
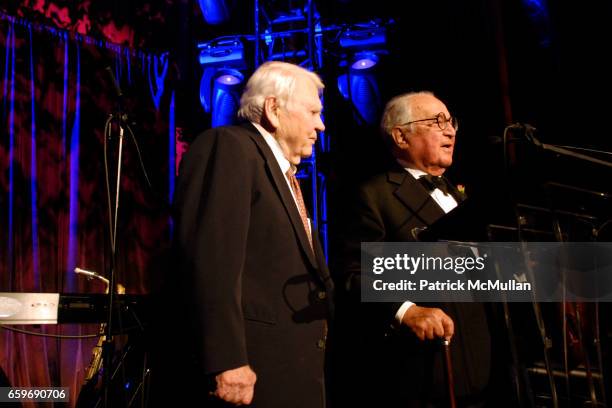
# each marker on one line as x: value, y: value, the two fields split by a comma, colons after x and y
x: 322, y: 295
x: 321, y: 344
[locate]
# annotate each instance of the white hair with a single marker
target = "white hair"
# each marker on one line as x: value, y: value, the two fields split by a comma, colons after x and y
x: 273, y: 78
x: 399, y: 110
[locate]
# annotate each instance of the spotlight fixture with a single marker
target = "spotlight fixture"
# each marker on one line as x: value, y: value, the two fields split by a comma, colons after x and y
x: 360, y: 86
x: 222, y: 81
x: 215, y: 11
x: 364, y: 36
x: 363, y: 45
x: 226, y: 92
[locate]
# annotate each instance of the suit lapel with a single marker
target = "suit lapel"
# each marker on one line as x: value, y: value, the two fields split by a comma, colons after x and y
x: 280, y: 183
x: 413, y: 195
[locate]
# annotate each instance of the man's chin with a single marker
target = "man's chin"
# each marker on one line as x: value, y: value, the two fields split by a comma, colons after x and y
x: 306, y: 152
x: 446, y: 162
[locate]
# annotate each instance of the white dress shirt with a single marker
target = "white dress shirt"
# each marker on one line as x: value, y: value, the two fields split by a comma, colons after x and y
x: 283, y: 163
x: 447, y: 202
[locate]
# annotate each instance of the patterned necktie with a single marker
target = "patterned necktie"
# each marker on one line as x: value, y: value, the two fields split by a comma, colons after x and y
x: 297, y: 192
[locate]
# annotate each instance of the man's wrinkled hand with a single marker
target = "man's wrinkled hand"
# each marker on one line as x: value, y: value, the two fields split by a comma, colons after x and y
x: 428, y: 322
x: 236, y: 386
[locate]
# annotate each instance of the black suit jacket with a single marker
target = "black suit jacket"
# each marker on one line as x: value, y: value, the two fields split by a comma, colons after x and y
x: 394, y: 207
x: 254, y: 291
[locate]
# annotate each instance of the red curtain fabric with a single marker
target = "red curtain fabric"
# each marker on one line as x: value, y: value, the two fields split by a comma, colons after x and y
x: 55, y: 96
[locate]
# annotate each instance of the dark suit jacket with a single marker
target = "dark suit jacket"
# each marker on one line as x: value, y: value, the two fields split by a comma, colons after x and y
x: 394, y: 207
x: 254, y: 292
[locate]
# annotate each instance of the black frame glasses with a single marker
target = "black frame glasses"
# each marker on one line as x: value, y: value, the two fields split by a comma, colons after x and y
x: 440, y: 119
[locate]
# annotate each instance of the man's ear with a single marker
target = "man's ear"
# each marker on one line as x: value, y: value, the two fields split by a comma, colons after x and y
x: 270, y: 111
x: 399, y: 138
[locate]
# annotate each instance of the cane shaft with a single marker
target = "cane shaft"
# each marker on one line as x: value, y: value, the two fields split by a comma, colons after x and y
x: 448, y: 373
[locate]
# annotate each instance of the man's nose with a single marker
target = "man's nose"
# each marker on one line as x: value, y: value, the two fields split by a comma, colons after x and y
x: 449, y: 132
x: 320, y: 126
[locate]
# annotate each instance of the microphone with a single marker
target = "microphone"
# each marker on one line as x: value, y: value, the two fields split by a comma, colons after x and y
x: 122, y: 116
x: 91, y: 275
x: 522, y: 126
x: 528, y: 130
x: 114, y: 81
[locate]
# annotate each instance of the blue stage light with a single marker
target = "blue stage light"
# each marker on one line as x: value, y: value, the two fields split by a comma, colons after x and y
x: 227, y: 89
x: 228, y: 79
x: 360, y: 86
x: 364, y: 63
x: 222, y: 81
x: 215, y: 11
x: 369, y: 36
x: 362, y: 45
x: 540, y: 18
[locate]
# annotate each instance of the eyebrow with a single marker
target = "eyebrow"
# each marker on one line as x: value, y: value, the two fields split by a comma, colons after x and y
x: 313, y: 106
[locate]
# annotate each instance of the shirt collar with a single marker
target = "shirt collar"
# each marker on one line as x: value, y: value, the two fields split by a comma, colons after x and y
x: 283, y: 163
x: 416, y: 173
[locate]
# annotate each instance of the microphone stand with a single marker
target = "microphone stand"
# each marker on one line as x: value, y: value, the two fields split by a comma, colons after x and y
x: 108, y: 346
x: 537, y: 311
x: 529, y: 132
x: 566, y: 152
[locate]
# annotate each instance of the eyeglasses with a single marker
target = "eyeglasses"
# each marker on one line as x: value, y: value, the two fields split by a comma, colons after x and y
x: 440, y: 119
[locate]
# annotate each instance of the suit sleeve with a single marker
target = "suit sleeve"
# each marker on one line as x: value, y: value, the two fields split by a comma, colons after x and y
x: 365, y: 225
x: 213, y: 210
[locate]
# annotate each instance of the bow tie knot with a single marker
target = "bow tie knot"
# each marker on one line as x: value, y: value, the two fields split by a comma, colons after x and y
x: 435, y: 182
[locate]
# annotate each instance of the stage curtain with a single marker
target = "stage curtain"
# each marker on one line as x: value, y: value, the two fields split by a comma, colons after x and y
x: 55, y: 96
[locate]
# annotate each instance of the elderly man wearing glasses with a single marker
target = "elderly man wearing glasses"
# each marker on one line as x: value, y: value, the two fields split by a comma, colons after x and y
x: 397, y: 340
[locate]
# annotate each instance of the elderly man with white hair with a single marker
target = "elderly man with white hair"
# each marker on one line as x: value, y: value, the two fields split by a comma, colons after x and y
x: 401, y: 338
x: 255, y: 284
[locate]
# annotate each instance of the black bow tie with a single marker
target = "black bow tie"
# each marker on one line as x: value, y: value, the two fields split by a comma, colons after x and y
x: 432, y: 182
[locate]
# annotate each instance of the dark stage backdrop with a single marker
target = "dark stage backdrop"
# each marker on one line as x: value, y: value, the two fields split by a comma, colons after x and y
x: 490, y: 60
x: 55, y: 98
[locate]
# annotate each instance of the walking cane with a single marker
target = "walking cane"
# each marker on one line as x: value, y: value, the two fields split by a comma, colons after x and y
x: 448, y: 372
